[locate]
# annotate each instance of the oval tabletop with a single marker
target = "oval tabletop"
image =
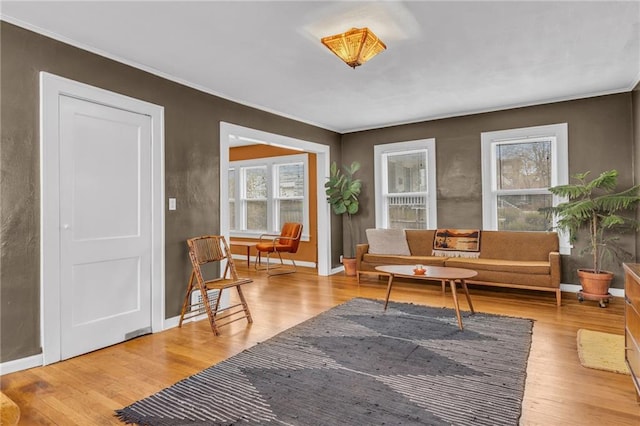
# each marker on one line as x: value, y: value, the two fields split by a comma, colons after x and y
x: 432, y: 272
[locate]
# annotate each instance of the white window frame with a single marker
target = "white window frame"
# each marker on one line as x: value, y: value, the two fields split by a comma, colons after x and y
x: 557, y: 134
x: 381, y: 175
x: 272, y: 201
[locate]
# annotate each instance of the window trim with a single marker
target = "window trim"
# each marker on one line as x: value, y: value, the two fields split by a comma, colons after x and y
x: 269, y: 162
x: 380, y: 171
x: 558, y: 134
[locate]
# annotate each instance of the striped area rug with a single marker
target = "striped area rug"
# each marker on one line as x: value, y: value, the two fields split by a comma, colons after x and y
x: 358, y: 365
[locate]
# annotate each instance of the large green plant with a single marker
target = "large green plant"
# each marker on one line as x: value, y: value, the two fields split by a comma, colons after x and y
x: 342, y: 191
x: 593, y: 205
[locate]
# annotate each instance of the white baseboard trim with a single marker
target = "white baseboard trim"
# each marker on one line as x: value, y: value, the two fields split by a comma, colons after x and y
x: 252, y: 261
x: 337, y: 270
x: 171, y: 322
x: 574, y: 288
x: 21, y: 364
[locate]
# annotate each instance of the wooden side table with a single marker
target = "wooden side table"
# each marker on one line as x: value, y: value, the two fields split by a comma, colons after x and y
x: 247, y: 245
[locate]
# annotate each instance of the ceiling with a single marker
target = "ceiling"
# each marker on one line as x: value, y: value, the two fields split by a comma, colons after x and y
x: 443, y: 58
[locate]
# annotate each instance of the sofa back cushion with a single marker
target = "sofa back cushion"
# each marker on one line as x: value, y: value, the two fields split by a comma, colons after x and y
x: 512, y: 245
x: 420, y: 241
x: 387, y: 241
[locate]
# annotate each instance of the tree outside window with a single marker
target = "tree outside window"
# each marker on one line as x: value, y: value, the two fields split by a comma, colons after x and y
x: 523, y: 175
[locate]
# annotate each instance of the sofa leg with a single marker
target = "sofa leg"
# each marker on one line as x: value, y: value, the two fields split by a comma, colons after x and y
x: 558, y: 297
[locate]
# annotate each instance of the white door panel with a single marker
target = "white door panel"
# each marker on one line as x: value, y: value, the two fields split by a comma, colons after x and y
x: 106, y: 217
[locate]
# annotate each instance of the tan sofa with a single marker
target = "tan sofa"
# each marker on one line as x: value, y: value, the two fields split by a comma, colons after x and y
x: 526, y: 260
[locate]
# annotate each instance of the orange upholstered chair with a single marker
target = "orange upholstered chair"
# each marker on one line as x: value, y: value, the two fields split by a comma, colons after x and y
x: 286, y: 242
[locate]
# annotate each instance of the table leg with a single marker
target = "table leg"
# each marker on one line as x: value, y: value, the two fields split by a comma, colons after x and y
x: 248, y: 256
x: 454, y: 293
x: 386, y: 301
x: 466, y: 292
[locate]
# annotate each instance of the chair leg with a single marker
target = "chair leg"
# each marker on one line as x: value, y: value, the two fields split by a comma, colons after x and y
x: 258, y: 261
x: 185, y: 304
x: 245, y: 306
x: 210, y: 313
x: 284, y: 271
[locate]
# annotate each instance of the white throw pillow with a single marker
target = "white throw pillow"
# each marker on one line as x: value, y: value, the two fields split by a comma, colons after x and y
x: 388, y: 241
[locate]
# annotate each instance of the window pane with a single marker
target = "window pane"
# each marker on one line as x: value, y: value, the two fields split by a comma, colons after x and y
x: 256, y: 215
x: 407, y: 212
x: 232, y: 183
x: 523, y: 165
x: 256, y: 182
x: 520, y: 212
x: 232, y: 215
x: 290, y: 180
x: 290, y: 211
x: 407, y: 172
x: 232, y: 196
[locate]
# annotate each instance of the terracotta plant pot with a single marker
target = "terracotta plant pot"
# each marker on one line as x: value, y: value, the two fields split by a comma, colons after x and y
x: 349, y: 266
x: 595, y: 285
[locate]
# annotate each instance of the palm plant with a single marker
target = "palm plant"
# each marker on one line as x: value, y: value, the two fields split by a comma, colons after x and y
x: 593, y: 205
x: 342, y: 190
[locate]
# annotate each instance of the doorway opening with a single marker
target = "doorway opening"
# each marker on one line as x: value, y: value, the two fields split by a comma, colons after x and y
x: 229, y: 131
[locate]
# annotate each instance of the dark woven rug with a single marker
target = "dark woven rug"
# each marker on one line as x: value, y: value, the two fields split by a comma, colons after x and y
x: 358, y: 365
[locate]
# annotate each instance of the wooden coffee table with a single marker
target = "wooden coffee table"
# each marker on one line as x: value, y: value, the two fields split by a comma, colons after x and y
x: 434, y: 273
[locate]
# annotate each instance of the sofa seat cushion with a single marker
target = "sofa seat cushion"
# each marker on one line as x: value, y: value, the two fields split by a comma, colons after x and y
x: 498, y: 265
x: 389, y: 259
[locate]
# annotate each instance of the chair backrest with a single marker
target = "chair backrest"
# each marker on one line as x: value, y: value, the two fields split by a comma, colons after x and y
x: 291, y: 230
x: 211, y: 248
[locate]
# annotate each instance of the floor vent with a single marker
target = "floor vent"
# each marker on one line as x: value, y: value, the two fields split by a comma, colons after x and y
x: 196, y: 300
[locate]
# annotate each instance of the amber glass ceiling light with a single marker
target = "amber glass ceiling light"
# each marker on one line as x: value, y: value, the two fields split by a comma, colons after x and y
x: 355, y: 47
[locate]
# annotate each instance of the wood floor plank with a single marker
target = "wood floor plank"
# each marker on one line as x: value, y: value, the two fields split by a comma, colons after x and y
x: 559, y: 391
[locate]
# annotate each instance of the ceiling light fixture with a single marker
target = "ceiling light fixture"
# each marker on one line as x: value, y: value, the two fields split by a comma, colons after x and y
x: 355, y: 46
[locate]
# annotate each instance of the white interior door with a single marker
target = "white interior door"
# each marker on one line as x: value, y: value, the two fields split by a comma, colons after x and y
x: 106, y: 225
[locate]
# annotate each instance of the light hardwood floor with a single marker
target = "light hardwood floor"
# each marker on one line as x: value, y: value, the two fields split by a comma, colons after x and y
x: 86, y: 390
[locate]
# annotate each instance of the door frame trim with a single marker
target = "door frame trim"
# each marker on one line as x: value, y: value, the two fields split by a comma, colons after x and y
x: 51, y: 88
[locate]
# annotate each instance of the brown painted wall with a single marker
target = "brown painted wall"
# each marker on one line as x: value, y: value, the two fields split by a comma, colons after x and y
x: 600, y: 138
x: 308, y: 250
x: 192, y: 126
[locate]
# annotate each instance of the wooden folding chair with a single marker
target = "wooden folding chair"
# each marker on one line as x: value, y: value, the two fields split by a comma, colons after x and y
x: 210, y: 249
x: 286, y: 242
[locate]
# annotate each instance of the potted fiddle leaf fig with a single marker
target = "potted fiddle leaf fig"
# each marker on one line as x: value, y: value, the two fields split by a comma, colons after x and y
x: 596, y: 207
x: 342, y: 190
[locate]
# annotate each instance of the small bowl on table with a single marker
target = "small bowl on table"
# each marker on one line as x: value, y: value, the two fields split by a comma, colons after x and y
x: 419, y: 270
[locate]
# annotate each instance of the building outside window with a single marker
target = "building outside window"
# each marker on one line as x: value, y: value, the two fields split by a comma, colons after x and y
x: 267, y: 192
x: 289, y: 197
x: 518, y: 168
x: 253, y: 198
x: 405, y: 185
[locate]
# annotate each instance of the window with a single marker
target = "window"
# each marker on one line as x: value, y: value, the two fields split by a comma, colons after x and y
x: 518, y: 168
x: 267, y: 192
x: 406, y: 185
